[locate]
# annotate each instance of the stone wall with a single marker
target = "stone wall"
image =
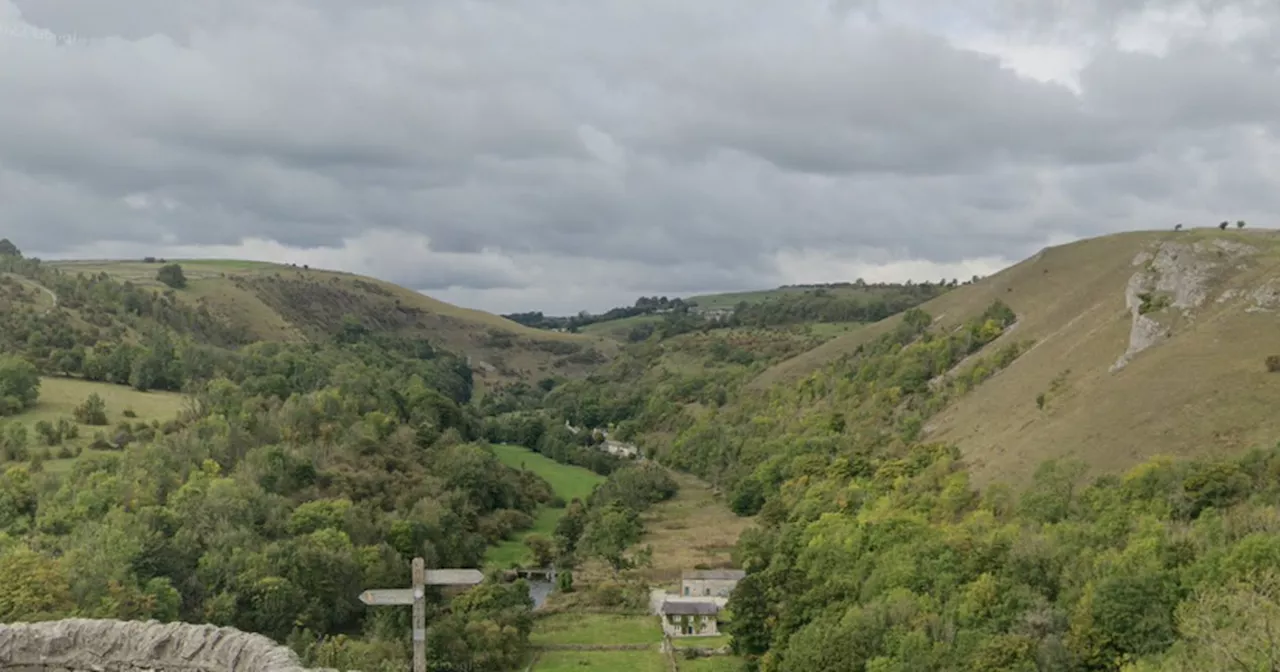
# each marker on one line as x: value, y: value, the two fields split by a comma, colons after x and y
x: 82, y: 645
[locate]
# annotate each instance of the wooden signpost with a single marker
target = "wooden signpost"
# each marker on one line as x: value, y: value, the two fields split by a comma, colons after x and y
x: 422, y: 577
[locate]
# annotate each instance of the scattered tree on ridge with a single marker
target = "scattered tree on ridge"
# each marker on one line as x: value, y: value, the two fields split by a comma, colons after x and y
x: 172, y: 275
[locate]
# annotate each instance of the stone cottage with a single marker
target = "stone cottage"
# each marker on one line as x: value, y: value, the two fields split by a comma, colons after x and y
x: 690, y: 618
x: 709, y: 582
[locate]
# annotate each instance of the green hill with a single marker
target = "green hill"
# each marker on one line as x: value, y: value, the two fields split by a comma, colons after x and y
x: 1068, y: 465
x: 234, y: 302
x: 1195, y: 382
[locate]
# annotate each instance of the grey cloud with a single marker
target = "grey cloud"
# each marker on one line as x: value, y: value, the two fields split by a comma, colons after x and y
x: 686, y: 143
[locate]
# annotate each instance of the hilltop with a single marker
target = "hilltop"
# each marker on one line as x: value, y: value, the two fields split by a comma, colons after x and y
x: 1145, y: 343
x: 257, y: 301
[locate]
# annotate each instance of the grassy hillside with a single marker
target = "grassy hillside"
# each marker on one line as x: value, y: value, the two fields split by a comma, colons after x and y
x: 567, y: 482
x: 729, y: 300
x: 1196, y: 384
x: 271, y: 302
x: 58, y: 399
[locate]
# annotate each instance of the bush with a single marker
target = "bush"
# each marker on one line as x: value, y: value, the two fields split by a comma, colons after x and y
x: 68, y: 429
x: 19, y: 385
x: 48, y: 433
x: 92, y: 412
x: 129, y: 413
x: 100, y: 442
x: 1273, y: 363
x: 172, y: 276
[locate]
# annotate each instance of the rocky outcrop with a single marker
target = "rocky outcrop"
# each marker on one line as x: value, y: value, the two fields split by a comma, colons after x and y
x: 82, y: 645
x: 1179, y: 274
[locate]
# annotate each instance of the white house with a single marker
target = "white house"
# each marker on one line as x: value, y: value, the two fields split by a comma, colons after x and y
x: 690, y: 618
x: 709, y: 582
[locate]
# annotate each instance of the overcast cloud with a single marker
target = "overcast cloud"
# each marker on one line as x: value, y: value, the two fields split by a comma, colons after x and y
x: 557, y: 156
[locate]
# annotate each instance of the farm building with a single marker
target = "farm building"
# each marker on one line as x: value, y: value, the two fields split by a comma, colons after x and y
x: 690, y: 618
x: 709, y: 582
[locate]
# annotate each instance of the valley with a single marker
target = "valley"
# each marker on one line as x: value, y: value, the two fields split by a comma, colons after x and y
x: 1070, y: 464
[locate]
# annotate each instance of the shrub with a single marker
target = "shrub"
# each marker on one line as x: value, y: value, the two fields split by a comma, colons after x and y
x: 68, y: 429
x: 92, y: 412
x: 1040, y: 398
x: 100, y: 442
x: 1273, y: 363
x: 172, y: 276
x: 129, y: 413
x: 48, y: 433
x: 19, y: 385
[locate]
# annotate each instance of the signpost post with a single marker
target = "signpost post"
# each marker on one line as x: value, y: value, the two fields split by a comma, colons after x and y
x: 385, y: 597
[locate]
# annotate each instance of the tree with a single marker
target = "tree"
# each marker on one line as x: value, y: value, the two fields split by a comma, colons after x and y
x: 35, y: 587
x: 8, y: 249
x: 1240, y: 224
x: 610, y: 532
x: 1224, y: 225
x: 564, y: 581
x: 92, y: 412
x: 19, y: 385
x: 542, y: 549
x: 172, y: 275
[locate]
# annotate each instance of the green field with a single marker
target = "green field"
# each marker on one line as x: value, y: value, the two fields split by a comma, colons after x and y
x: 701, y: 642
x: 732, y: 299
x: 60, y: 396
x: 604, y: 661
x: 570, y: 628
x: 712, y: 664
x: 567, y: 481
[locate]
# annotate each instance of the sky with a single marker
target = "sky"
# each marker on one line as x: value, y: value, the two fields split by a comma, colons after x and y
x: 562, y: 155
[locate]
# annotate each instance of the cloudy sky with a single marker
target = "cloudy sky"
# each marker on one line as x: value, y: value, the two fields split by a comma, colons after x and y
x: 558, y: 155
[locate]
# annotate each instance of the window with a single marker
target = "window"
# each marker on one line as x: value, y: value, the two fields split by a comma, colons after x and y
x: 686, y: 591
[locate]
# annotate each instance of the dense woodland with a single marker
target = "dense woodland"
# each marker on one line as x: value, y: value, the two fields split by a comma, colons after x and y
x: 304, y: 473
x: 299, y: 475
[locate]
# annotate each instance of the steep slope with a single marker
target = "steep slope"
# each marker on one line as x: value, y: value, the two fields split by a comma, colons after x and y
x: 1145, y: 343
x: 270, y: 302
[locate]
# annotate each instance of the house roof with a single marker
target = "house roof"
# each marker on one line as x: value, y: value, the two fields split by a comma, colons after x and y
x: 689, y: 607
x: 713, y: 574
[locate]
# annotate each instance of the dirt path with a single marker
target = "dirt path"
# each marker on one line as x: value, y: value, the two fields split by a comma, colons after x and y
x: 53, y: 298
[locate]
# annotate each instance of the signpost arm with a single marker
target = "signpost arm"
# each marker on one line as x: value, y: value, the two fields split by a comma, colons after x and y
x: 419, y: 616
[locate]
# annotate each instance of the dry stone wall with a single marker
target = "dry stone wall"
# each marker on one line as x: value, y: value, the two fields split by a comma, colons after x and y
x: 82, y: 645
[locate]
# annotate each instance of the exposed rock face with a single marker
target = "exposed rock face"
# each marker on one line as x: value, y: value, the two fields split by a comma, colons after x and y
x: 82, y: 645
x: 1182, y: 273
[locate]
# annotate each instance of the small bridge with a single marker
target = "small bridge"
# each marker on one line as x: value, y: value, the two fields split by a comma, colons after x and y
x: 531, y: 573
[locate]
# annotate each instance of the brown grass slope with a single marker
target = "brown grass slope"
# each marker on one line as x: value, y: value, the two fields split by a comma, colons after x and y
x: 1194, y: 383
x: 285, y: 303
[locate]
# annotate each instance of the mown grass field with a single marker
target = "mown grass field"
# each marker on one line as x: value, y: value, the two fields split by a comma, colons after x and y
x: 701, y: 642
x: 712, y: 664
x: 571, y: 628
x: 619, y: 329
x: 567, y: 481
x: 603, y: 661
x: 60, y: 396
x: 732, y: 299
